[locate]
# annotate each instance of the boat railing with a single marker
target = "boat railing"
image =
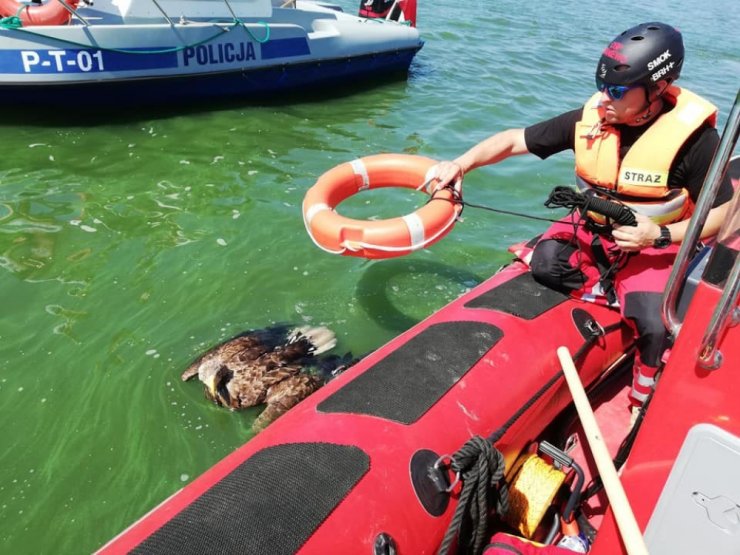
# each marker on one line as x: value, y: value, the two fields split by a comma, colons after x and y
x: 159, y: 8
x: 74, y: 12
x: 167, y: 17
x: 725, y: 312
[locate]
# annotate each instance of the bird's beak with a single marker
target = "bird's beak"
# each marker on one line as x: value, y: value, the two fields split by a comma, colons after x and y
x: 215, y: 387
x: 210, y: 384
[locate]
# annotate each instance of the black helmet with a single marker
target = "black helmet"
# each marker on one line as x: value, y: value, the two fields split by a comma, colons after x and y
x: 642, y: 55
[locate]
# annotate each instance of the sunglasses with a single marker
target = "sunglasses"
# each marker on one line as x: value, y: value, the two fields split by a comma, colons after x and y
x: 615, y: 92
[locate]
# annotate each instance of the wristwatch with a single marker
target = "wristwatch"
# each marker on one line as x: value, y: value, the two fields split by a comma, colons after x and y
x: 664, y: 240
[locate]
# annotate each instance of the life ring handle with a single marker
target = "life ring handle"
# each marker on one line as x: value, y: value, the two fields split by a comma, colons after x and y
x: 338, y: 234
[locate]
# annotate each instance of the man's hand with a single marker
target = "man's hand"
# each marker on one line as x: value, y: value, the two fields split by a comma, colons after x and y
x: 447, y: 173
x: 635, y: 238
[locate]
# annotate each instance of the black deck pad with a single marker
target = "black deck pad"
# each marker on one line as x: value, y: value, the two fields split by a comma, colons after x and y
x: 271, y: 503
x: 522, y: 296
x: 410, y: 380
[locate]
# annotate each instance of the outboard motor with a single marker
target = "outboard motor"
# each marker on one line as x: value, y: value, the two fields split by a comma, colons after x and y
x: 394, y: 10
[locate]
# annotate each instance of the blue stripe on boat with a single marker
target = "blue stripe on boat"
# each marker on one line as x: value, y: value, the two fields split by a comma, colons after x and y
x: 91, y: 60
x: 285, y: 48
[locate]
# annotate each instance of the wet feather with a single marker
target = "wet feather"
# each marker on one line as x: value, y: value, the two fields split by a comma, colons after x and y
x: 279, y: 366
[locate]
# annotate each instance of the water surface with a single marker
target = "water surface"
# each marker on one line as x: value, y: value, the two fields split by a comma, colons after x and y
x: 130, y: 243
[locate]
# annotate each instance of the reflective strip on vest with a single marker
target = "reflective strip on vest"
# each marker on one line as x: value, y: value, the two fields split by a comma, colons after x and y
x: 672, y: 208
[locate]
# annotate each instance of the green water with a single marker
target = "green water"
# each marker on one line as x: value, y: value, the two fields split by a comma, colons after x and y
x: 131, y: 243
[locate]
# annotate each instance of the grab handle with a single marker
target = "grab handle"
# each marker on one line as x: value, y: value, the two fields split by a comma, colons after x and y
x: 725, y: 315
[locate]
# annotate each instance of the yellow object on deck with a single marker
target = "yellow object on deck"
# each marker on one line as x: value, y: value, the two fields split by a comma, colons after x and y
x: 532, y: 488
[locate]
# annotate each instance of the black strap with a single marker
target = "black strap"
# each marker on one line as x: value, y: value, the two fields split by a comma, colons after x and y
x: 606, y: 268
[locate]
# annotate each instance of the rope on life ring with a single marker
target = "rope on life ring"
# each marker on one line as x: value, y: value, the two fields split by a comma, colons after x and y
x: 51, y: 12
x: 337, y: 234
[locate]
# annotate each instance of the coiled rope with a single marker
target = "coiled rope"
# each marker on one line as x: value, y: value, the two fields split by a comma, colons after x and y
x: 563, y: 197
x: 481, y: 467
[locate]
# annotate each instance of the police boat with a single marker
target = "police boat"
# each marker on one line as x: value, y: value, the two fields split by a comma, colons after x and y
x: 140, y: 52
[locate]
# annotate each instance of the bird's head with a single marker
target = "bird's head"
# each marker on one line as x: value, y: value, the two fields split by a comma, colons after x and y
x: 216, y: 388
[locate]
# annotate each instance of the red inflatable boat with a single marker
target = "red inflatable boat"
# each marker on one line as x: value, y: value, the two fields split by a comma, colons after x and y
x: 361, y: 466
x: 335, y: 474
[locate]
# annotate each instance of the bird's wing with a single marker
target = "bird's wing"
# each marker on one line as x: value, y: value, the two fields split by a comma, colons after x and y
x: 279, y: 374
x: 283, y: 396
x: 291, y: 390
x: 246, y: 388
x: 247, y: 346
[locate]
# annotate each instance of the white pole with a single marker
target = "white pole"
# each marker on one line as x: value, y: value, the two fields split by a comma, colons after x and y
x: 623, y: 514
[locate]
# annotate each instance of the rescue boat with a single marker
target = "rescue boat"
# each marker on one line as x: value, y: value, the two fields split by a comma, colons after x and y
x: 370, y: 463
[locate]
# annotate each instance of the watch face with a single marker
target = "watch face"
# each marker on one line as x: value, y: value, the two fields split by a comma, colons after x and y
x: 661, y: 243
x: 664, y: 240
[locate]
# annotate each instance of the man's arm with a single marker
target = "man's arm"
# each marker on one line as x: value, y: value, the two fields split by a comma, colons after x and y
x: 490, y: 151
x: 635, y: 238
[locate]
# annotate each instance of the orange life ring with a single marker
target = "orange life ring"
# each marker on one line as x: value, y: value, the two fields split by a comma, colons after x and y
x: 337, y: 234
x: 50, y: 13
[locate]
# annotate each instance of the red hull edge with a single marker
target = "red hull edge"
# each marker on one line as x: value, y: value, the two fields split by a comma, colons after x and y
x: 384, y: 501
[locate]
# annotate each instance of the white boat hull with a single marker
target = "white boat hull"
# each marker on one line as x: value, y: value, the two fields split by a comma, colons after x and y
x: 141, y: 62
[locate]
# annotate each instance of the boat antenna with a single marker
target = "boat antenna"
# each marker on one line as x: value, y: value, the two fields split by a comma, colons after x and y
x: 164, y: 13
x: 233, y: 13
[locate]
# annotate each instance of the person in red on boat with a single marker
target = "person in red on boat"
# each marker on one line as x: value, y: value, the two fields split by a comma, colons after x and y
x: 641, y: 141
x: 374, y: 9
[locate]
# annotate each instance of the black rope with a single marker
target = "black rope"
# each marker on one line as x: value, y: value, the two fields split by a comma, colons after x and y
x: 458, y: 199
x: 565, y: 197
x: 560, y: 197
x: 508, y: 212
x: 481, y: 467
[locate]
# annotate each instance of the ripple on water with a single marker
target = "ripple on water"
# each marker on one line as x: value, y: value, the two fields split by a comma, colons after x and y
x: 5, y: 211
x: 21, y: 225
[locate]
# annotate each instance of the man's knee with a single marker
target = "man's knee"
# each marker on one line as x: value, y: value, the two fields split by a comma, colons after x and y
x: 550, y: 266
x: 644, y: 309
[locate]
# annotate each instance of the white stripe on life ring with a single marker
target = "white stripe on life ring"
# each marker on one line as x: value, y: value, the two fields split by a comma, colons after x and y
x: 431, y: 173
x: 315, y: 209
x: 416, y: 230
x: 358, y: 166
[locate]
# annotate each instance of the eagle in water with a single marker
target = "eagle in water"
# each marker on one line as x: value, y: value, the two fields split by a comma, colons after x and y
x: 278, y: 366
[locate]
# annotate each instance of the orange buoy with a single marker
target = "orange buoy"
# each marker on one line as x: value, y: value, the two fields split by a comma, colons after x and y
x: 337, y: 234
x: 51, y: 12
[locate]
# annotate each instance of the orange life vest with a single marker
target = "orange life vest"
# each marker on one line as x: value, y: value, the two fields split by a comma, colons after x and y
x: 640, y: 180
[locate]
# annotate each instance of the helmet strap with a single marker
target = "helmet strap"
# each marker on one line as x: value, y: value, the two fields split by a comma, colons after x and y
x: 648, y: 112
